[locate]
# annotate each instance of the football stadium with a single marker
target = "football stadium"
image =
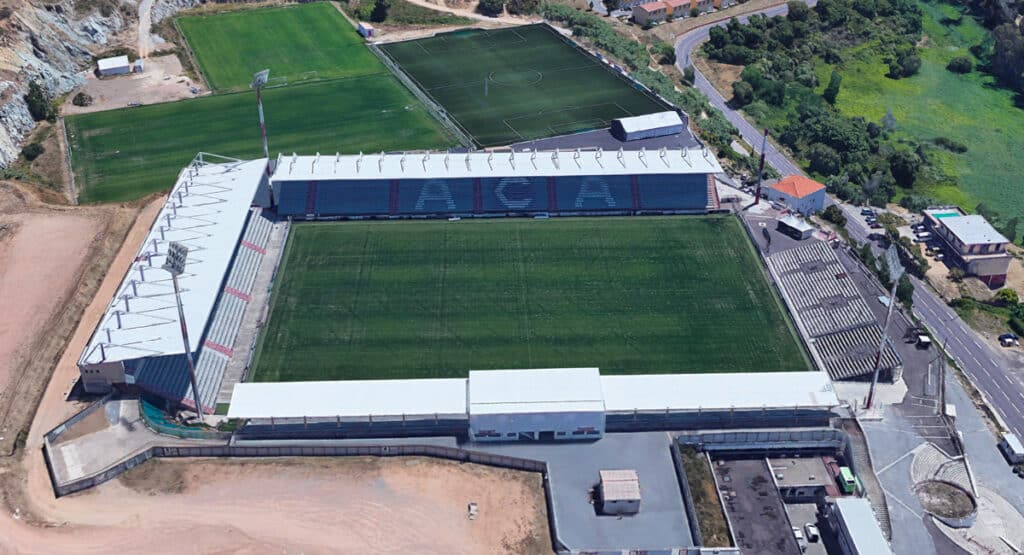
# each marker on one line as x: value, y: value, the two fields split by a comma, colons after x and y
x: 386, y: 267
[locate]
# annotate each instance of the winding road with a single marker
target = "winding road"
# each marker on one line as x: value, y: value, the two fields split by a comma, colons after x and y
x: 995, y: 374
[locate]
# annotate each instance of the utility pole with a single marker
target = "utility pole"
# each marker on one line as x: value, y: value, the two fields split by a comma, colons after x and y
x: 760, y: 170
x: 175, y: 265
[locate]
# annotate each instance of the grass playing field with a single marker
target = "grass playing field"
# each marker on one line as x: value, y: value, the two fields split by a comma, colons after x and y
x: 509, y: 85
x: 126, y: 154
x: 436, y: 299
x: 295, y: 42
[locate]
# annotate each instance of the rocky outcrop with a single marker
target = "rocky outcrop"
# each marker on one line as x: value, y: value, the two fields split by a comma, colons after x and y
x: 51, y: 44
x: 167, y: 8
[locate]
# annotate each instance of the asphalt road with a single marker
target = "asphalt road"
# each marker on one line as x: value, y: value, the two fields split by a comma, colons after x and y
x: 992, y: 372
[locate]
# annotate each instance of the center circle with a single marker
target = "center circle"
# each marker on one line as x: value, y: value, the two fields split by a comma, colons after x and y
x: 515, y: 77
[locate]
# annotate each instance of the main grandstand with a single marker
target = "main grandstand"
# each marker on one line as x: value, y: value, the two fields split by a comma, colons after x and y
x: 575, y: 182
x: 216, y: 209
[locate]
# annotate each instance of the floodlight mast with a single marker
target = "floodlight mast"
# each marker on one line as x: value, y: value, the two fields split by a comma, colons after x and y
x: 259, y: 79
x: 175, y: 265
x: 895, y: 274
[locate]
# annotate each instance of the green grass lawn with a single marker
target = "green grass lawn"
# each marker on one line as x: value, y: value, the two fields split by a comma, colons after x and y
x: 971, y: 109
x: 435, y: 299
x: 125, y: 154
x: 308, y: 41
x: 515, y: 84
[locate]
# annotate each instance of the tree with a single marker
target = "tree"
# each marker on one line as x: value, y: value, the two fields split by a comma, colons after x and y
x: 1008, y: 55
x: 380, y: 11
x: 960, y: 64
x: 694, y: 12
x: 905, y: 64
x: 905, y: 291
x: 867, y: 257
x: 32, y: 151
x: 904, y: 166
x: 823, y: 159
x: 742, y: 93
x: 832, y: 90
x: 835, y: 215
x: 688, y: 75
x: 1009, y: 229
x: 956, y: 274
x: 798, y: 11
x: 38, y: 104
x: 495, y: 7
x: 664, y: 51
x: 1006, y: 297
x: 81, y: 99
x: 888, y: 120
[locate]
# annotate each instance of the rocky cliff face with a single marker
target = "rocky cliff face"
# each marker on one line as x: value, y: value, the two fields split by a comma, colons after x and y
x: 51, y: 44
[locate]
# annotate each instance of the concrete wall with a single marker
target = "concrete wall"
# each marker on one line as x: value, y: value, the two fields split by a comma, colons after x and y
x: 565, y: 425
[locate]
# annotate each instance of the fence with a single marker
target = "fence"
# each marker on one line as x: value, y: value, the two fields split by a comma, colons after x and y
x: 433, y: 107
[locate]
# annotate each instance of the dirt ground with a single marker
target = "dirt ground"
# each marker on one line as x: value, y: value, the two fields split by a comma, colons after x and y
x: 669, y: 31
x: 162, y: 81
x: 944, y: 500
x: 51, y: 260
x: 210, y: 506
x: 721, y: 76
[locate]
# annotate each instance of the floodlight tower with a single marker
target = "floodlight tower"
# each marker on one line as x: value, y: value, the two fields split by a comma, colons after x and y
x: 892, y: 260
x: 175, y: 265
x: 760, y: 169
x: 259, y: 79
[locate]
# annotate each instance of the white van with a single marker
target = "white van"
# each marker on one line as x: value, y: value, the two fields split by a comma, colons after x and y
x: 923, y: 237
x: 1011, y: 447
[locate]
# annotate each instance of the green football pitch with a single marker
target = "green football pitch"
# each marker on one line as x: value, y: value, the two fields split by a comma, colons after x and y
x: 309, y: 41
x: 126, y: 154
x: 435, y: 299
x: 509, y: 85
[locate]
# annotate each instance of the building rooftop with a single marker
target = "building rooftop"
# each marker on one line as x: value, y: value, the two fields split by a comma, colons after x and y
x: 353, y: 398
x: 797, y: 186
x: 749, y: 390
x: 619, y: 485
x: 110, y: 63
x: 548, y: 390
x: 656, y: 120
x: 651, y: 6
x: 425, y: 165
x: 793, y: 472
x: 973, y: 230
x: 861, y: 524
x: 206, y: 210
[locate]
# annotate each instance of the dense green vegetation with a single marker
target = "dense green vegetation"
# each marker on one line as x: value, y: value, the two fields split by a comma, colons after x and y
x: 434, y: 299
x: 307, y: 41
x: 125, y: 154
x: 884, y: 101
x: 400, y: 12
x: 520, y: 83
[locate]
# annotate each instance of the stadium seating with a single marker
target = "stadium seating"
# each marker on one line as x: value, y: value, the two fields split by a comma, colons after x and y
x: 168, y: 376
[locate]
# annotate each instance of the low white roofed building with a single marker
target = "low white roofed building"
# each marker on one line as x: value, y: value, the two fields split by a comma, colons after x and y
x: 620, y: 492
x: 117, y: 65
x: 974, y: 245
x: 658, y: 124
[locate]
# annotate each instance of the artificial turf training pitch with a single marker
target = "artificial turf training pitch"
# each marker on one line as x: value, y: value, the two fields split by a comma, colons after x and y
x: 521, y: 83
x: 380, y: 300
x: 308, y: 41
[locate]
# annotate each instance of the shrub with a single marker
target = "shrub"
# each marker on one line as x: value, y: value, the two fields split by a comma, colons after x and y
x: 905, y: 291
x: 81, y: 99
x: 956, y: 274
x: 1006, y: 297
x: 960, y: 64
x: 951, y: 145
x: 491, y: 7
x: 694, y: 12
x: 523, y: 7
x: 32, y: 151
x: 835, y: 215
x: 832, y: 90
x: 39, y: 105
x: 904, y: 166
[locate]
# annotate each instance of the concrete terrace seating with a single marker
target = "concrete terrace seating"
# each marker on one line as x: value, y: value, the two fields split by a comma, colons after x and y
x: 851, y: 353
x: 168, y: 376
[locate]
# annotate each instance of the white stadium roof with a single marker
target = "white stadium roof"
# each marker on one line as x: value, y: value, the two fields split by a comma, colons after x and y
x: 549, y: 390
x: 861, y: 525
x: 646, y: 122
x: 111, y: 63
x: 428, y: 165
x: 746, y: 390
x: 356, y: 398
x: 206, y: 210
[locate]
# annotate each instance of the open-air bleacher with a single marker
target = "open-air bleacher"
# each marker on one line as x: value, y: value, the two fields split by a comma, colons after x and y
x: 841, y: 326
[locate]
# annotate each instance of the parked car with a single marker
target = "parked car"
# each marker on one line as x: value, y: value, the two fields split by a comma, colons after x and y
x: 923, y: 341
x: 870, y: 219
x: 800, y: 541
x: 875, y: 225
x: 812, y: 532
x: 940, y: 256
x: 918, y: 227
x: 923, y: 237
x: 1009, y: 340
x: 876, y: 236
x: 867, y: 212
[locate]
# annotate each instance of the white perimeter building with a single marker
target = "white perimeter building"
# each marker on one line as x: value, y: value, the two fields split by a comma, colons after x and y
x: 118, y: 65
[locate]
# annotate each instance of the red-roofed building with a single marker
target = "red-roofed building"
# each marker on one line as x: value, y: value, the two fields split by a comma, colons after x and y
x: 799, y: 193
x: 649, y: 13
